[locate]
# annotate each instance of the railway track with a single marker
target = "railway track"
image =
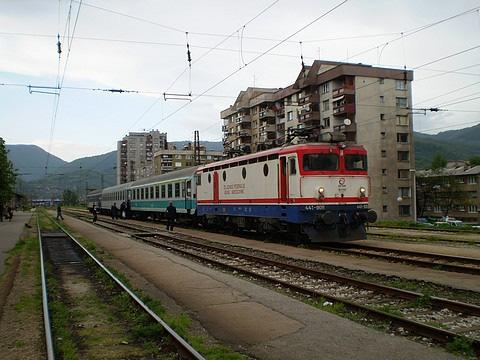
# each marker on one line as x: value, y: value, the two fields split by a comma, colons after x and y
x: 461, y: 264
x: 70, y: 281
x: 406, y: 312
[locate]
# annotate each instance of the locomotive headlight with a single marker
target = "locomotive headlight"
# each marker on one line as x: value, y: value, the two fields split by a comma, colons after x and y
x: 320, y: 192
x: 363, y: 191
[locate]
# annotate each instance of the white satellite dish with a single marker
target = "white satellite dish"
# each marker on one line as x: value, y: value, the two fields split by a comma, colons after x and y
x: 347, y: 122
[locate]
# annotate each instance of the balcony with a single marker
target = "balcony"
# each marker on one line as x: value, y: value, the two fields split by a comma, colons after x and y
x: 266, y: 128
x: 243, y: 134
x: 309, y: 116
x: 345, y: 89
x: 308, y: 99
x: 344, y: 109
x: 266, y: 113
x: 345, y: 128
x: 281, y: 113
x: 243, y: 118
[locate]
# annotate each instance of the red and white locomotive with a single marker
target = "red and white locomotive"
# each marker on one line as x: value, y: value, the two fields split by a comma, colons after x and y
x: 314, y: 190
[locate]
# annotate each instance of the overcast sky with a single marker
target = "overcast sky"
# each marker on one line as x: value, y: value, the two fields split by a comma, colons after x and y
x: 141, y: 45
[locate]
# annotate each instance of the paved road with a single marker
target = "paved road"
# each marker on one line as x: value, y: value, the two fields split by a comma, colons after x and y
x: 10, y: 233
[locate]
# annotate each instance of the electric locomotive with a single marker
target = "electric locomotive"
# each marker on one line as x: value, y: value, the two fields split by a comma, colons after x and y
x: 314, y: 191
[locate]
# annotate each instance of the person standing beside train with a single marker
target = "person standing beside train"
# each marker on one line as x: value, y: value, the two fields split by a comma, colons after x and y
x: 171, y: 216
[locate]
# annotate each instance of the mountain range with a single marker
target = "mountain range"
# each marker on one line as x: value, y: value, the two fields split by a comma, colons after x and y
x: 99, y: 171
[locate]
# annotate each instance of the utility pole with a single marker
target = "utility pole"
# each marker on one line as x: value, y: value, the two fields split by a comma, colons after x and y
x: 196, y: 147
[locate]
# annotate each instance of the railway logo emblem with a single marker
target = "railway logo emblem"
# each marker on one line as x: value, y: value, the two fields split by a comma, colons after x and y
x: 341, y: 182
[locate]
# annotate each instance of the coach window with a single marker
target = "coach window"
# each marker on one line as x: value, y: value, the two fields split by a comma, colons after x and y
x: 163, y: 191
x: 147, y: 196
x: 157, y: 192
x: 265, y: 169
x: 244, y: 173
x: 224, y: 175
x: 138, y: 194
x: 189, y: 188
x: 292, y: 165
x: 209, y: 178
x: 177, y: 190
x: 169, y: 190
x: 151, y: 192
x: 199, y: 179
x: 183, y: 188
x: 142, y: 194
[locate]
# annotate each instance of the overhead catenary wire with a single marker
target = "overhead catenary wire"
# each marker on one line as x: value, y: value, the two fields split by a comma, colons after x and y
x: 60, y: 84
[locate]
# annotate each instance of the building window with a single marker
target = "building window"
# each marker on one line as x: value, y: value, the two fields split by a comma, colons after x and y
x: 384, y: 153
x: 384, y: 171
x: 289, y: 115
x: 472, y: 209
x: 403, y: 173
x: 400, y: 85
x: 472, y: 180
x: 403, y: 155
x: 169, y: 190
x: 404, y: 192
x: 384, y: 190
x: 404, y: 210
x: 325, y: 105
x: 437, y: 209
x: 382, y: 134
x: 402, y: 120
x: 382, y: 99
x: 402, y: 138
x: 382, y: 117
x: 384, y: 208
x: 326, y: 122
x: 401, y: 102
x: 325, y: 88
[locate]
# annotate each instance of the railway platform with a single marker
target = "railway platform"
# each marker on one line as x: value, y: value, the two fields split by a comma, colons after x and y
x: 252, y: 319
x: 10, y: 232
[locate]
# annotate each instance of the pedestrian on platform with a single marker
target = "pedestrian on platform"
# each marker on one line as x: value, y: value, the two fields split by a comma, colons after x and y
x: 59, y: 212
x: 113, y: 211
x: 94, y: 212
x: 9, y: 213
x: 171, y: 216
x: 123, y: 207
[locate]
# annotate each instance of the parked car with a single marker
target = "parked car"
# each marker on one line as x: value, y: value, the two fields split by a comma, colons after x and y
x: 424, y: 222
x: 451, y: 221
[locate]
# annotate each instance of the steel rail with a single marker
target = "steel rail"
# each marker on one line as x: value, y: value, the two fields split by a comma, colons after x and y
x: 357, y: 250
x: 185, y: 346
x: 46, y: 312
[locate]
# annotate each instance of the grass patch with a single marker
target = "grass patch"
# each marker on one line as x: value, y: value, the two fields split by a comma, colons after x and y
x: 421, y: 302
x: 386, y: 308
x: 461, y: 346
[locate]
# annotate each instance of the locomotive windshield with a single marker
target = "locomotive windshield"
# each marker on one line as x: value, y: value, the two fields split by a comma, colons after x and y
x: 320, y: 162
x: 356, y: 162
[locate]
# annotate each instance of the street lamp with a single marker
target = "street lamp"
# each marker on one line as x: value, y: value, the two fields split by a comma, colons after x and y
x: 414, y: 193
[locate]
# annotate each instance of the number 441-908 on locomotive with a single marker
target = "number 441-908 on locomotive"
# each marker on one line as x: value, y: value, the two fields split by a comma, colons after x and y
x: 312, y: 191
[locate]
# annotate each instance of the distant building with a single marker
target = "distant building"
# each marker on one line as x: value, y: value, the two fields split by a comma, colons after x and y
x: 370, y: 105
x: 135, y: 154
x: 174, y: 159
x: 452, y: 191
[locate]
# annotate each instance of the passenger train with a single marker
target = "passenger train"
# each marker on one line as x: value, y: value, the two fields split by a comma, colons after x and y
x: 315, y: 191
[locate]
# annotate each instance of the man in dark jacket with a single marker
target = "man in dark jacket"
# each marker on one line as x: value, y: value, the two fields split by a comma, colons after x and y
x: 171, y: 216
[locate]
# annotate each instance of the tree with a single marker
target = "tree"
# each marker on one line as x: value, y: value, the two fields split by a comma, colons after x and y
x: 7, y: 176
x: 70, y: 197
x: 474, y: 161
x: 438, y: 162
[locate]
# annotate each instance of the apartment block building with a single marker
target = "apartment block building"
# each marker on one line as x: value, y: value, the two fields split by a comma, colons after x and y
x: 135, y: 154
x: 171, y: 159
x: 452, y: 191
x: 376, y: 102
